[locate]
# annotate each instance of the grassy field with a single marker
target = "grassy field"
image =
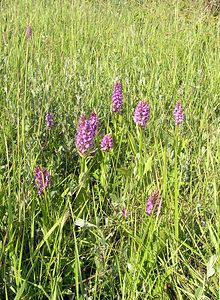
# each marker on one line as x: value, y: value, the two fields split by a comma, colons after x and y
x: 87, y: 235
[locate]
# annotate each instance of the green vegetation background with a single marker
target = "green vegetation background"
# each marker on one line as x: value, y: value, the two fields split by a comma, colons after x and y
x: 72, y: 242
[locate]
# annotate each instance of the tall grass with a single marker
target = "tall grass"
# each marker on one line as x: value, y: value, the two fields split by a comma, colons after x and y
x: 72, y: 242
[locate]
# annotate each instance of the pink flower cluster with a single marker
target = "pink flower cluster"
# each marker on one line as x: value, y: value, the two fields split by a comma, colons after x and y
x: 107, y: 143
x: 117, y: 97
x: 153, y: 202
x: 49, y: 120
x: 86, y: 132
x: 178, y: 113
x: 29, y: 32
x: 42, y: 178
x: 142, y: 113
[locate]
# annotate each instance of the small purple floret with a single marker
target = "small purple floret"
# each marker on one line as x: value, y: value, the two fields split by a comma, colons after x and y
x: 94, y: 122
x: 107, y: 143
x: 49, y: 120
x: 86, y: 132
x: 124, y: 212
x: 142, y: 113
x: 29, y: 32
x: 117, y: 97
x: 154, y: 201
x: 178, y: 113
x: 42, y: 178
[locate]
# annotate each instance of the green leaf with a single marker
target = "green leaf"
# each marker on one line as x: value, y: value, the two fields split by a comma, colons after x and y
x: 199, y: 293
x: 210, y: 265
x: 123, y: 171
x: 82, y: 223
x: 65, y: 192
x: 148, y: 164
x: 132, y: 143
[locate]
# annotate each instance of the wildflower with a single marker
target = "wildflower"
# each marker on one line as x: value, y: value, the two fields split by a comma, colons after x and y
x: 154, y: 201
x: 49, y: 120
x: 42, y: 178
x: 86, y: 132
x: 29, y: 32
x: 124, y: 212
x: 142, y: 113
x: 107, y: 143
x: 178, y: 113
x: 117, y: 97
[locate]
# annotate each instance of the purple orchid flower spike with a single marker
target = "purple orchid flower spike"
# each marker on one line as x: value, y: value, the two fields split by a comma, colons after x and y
x: 153, y: 202
x: 117, y: 97
x: 42, y: 178
x: 178, y: 113
x: 107, y: 143
x: 142, y: 113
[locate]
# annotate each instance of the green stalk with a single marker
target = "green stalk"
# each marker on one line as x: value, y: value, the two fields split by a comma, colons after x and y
x: 83, y: 170
x: 140, y: 162
x: 176, y: 188
x: 104, y: 171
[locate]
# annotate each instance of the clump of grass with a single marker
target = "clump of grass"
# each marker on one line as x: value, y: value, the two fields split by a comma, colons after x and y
x: 213, y: 6
x: 126, y: 207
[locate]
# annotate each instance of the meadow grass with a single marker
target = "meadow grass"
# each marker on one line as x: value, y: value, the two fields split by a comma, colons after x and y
x: 72, y: 241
